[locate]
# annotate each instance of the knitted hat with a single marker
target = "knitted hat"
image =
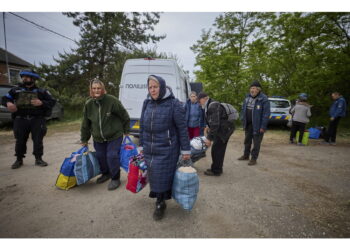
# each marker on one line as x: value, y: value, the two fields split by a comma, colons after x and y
x: 255, y: 83
x: 202, y: 95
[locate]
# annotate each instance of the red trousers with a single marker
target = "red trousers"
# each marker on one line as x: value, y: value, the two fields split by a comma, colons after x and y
x: 193, y: 132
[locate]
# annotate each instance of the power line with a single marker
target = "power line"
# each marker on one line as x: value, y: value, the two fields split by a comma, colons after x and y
x: 42, y: 27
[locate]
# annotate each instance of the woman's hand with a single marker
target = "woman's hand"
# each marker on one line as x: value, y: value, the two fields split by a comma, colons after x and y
x: 186, y: 157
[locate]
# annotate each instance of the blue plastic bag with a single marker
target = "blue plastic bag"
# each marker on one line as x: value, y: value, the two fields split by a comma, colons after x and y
x: 86, y: 167
x: 66, y: 179
x: 314, y: 133
x: 127, y: 150
x: 67, y: 167
x: 185, y: 186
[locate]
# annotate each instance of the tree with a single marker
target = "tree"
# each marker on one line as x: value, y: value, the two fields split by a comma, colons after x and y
x: 107, y: 40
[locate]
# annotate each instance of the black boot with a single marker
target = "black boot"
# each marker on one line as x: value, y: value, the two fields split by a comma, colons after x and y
x: 103, y: 178
x: 40, y: 162
x: 18, y: 163
x: 160, y: 210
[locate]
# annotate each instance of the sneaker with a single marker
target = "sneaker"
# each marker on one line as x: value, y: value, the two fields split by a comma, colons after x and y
x: 103, y: 178
x: 159, y: 212
x: 252, y: 162
x: 114, y: 184
x: 325, y: 143
x: 243, y: 158
x: 211, y: 173
x: 40, y: 162
x: 291, y: 142
x: 17, y: 164
x: 300, y: 144
x: 332, y: 144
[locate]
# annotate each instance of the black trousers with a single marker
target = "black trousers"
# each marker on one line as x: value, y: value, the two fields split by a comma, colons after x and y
x: 218, y: 151
x: 297, y: 126
x: 22, y: 127
x: 249, y: 138
x: 331, y: 134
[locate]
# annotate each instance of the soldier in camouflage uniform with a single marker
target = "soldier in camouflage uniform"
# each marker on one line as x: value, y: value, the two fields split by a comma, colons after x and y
x: 29, y: 106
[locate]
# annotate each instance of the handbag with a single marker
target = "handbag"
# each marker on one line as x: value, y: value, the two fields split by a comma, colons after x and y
x: 137, y: 175
x: 86, y: 167
x: 127, y: 150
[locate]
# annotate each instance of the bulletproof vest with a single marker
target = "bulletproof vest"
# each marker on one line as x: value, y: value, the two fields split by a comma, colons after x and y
x: 24, y: 98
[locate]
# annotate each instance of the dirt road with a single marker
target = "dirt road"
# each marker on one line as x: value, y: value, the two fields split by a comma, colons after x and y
x: 292, y: 192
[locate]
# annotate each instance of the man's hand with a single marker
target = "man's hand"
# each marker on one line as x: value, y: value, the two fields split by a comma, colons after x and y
x: 36, y: 102
x: 262, y: 130
x: 206, y: 130
x: 84, y: 144
x: 186, y: 157
x: 207, y: 143
x: 11, y: 107
x: 332, y: 119
x: 126, y: 135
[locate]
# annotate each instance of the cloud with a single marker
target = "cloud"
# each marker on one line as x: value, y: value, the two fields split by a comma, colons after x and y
x: 182, y: 30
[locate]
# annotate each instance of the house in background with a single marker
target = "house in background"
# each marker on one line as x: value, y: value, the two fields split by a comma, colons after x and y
x: 16, y: 64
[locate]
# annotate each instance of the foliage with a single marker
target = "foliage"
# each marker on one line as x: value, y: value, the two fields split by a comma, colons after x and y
x: 288, y: 53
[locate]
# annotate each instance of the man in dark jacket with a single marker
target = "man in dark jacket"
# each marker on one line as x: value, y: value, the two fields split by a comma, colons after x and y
x: 219, y: 132
x: 336, y: 111
x: 29, y: 106
x: 255, y: 116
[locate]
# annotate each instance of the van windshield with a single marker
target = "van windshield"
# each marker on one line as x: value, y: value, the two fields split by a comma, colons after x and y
x: 279, y: 104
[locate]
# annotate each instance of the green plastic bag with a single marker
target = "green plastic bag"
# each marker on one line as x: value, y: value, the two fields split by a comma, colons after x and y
x: 305, y: 140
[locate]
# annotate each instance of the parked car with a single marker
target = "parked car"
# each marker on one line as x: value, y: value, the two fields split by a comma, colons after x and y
x: 279, y: 109
x: 5, y: 115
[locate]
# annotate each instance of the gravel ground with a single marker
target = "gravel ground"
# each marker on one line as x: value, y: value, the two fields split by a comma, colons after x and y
x: 293, y: 192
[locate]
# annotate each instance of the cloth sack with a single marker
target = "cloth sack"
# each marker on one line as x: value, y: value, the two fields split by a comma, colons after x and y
x: 127, y: 150
x: 185, y: 185
x: 137, y: 175
x: 86, y: 167
x: 66, y: 179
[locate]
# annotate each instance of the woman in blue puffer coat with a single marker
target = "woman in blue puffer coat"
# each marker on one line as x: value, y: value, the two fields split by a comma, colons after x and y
x: 163, y: 136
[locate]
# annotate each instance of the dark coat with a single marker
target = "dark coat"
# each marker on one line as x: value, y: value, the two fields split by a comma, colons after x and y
x: 216, y: 118
x: 261, y: 113
x: 163, y: 133
x: 338, y: 108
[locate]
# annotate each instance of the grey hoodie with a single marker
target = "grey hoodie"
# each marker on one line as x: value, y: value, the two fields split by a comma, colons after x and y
x: 301, y: 112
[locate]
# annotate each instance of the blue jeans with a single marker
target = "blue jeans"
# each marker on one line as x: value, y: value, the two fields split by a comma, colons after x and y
x: 107, y: 154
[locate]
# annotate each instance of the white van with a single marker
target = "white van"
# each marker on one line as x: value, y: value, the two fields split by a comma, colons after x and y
x: 133, y: 86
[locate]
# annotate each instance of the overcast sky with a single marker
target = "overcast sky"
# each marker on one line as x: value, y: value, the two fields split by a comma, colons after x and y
x: 182, y: 30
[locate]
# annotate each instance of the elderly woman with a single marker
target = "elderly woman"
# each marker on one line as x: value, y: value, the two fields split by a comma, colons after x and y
x: 106, y: 120
x: 163, y: 136
x: 194, y: 116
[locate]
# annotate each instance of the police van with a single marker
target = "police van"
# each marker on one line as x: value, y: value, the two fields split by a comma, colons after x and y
x: 279, y: 110
x: 133, y: 86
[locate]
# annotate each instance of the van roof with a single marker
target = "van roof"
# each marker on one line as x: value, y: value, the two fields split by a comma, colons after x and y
x: 153, y: 61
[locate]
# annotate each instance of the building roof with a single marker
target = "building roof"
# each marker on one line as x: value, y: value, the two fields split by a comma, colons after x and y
x: 13, y: 60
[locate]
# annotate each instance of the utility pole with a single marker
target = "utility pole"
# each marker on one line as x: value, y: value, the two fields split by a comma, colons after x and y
x: 7, y: 60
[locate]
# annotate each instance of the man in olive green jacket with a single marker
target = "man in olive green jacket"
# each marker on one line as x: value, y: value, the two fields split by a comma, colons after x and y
x: 106, y: 120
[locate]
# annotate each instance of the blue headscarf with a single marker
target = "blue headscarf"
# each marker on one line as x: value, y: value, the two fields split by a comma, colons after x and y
x: 162, y: 86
